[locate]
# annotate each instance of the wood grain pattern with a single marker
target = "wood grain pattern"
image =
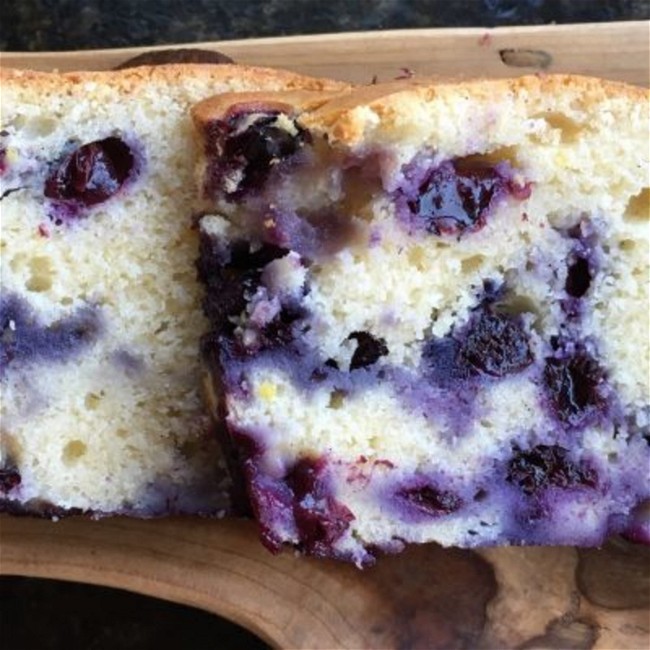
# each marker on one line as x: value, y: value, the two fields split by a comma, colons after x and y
x: 613, y: 50
x: 428, y: 597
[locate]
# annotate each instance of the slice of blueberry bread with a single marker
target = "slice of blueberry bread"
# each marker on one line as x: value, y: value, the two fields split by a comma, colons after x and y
x: 100, y: 307
x: 429, y: 310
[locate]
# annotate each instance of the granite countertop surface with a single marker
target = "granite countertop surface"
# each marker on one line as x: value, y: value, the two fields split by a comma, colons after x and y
x: 78, y: 616
x: 38, y: 25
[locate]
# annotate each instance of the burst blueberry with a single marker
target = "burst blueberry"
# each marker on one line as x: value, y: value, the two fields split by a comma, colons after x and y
x: 232, y: 276
x: 456, y: 197
x: 491, y: 343
x: 243, y: 149
x: 320, y: 518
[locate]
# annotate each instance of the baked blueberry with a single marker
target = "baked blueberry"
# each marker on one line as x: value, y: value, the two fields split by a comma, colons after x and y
x: 496, y: 344
x: 546, y: 466
x: 430, y: 500
x: 575, y: 387
x: 578, y: 278
x: 92, y: 173
x: 457, y: 196
x: 244, y: 148
x: 368, y: 351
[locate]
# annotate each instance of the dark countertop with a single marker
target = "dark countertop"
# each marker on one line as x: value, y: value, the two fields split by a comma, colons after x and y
x: 38, y: 25
x: 51, y: 615
x: 54, y: 615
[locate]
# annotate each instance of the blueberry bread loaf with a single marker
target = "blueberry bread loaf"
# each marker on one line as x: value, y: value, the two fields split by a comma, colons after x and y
x: 100, y: 308
x: 429, y: 311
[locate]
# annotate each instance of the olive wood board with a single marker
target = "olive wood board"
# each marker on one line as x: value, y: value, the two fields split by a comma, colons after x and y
x: 617, y: 50
x: 428, y: 597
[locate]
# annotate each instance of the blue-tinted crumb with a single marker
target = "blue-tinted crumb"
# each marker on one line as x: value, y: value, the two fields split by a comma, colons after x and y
x: 24, y: 339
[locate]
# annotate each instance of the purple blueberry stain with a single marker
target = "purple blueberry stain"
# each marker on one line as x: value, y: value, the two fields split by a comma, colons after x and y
x: 548, y: 466
x: 130, y: 363
x: 288, y: 325
x: 443, y: 362
x: 24, y: 339
x: 4, y: 162
x: 90, y: 174
x: 456, y: 197
x: 314, y: 235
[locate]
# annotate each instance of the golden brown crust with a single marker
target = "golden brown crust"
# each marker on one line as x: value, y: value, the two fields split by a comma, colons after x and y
x: 288, y: 101
x: 340, y: 114
x: 131, y: 77
x: 381, y: 94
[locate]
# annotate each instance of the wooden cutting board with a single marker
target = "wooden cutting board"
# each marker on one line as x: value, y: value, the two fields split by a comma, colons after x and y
x: 428, y: 597
x: 612, y: 50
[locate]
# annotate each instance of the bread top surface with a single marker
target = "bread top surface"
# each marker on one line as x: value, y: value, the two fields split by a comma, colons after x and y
x: 349, y: 116
x: 167, y: 72
x: 291, y: 101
